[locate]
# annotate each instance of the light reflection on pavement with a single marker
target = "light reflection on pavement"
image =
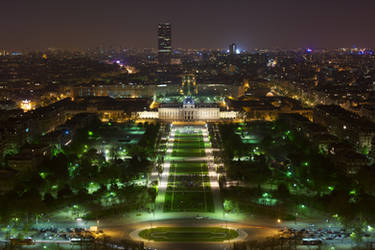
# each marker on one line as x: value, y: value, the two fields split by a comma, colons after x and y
x: 124, y: 230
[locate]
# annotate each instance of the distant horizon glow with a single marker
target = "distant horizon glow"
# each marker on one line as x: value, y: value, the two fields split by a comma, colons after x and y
x: 216, y: 25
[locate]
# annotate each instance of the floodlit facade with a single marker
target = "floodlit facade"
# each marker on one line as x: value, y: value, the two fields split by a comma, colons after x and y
x: 188, y: 111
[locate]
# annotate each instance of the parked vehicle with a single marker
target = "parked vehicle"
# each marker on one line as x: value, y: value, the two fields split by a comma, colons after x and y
x: 311, y: 241
x: 27, y: 241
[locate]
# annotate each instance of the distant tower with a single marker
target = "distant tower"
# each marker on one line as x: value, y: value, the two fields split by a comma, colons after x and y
x: 233, y: 49
x: 165, y: 43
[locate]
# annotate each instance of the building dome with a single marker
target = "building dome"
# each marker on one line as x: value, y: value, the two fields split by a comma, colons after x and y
x: 189, y: 101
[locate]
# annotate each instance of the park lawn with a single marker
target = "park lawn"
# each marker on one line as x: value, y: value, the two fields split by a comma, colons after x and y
x: 188, y: 154
x: 191, y: 183
x: 188, y: 202
x: 189, y: 234
x: 189, y: 150
x: 189, y: 168
x: 192, y: 164
x: 190, y: 145
x: 179, y: 170
x: 182, y: 135
x: 179, y: 149
x: 188, y: 139
x: 188, y: 182
x: 180, y: 187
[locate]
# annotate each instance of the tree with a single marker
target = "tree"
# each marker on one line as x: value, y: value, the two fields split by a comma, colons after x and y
x: 282, y: 192
x: 65, y: 192
x: 228, y: 206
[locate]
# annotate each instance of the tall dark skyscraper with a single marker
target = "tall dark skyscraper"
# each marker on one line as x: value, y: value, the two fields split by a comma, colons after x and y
x: 165, y: 43
x: 233, y: 49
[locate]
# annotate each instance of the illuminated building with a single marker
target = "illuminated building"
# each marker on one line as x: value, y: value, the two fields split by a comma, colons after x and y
x: 346, y: 125
x: 164, y: 43
x: 27, y: 105
x: 188, y: 111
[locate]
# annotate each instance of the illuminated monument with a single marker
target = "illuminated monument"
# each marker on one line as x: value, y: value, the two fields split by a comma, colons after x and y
x: 189, y: 111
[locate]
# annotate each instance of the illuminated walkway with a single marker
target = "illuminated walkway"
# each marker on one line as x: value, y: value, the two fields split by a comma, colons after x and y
x: 189, y: 182
x: 163, y: 181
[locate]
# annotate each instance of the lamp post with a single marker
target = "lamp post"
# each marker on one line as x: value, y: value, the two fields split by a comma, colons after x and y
x: 226, y: 223
x: 153, y: 214
x: 153, y: 217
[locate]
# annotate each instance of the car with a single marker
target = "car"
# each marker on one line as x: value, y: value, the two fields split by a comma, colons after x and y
x: 329, y: 238
x: 26, y: 241
x: 311, y: 241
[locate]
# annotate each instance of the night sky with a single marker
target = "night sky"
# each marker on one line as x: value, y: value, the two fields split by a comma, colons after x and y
x: 196, y: 23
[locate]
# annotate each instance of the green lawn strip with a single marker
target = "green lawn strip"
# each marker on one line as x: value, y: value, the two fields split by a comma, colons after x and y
x: 192, y: 166
x: 188, y: 184
x: 193, y: 202
x: 182, y: 146
x: 188, y: 172
x: 189, y: 202
x: 189, y: 168
x: 187, y: 137
x: 188, y: 140
x: 180, y: 151
x: 189, y: 145
x: 179, y: 187
x: 189, y: 234
x: 188, y: 154
x: 189, y: 150
x: 168, y: 202
x: 187, y: 134
x: 183, y: 187
x: 196, y: 164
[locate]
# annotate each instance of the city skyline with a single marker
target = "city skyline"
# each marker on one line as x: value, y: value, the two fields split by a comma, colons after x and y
x: 269, y: 24
x: 187, y: 125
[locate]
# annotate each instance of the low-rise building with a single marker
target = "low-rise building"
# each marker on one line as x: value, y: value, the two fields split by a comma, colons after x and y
x: 346, y: 125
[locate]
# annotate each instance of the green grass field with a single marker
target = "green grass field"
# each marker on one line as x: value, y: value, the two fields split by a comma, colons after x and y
x: 188, y: 154
x: 189, y: 168
x: 192, y: 145
x: 188, y: 183
x: 189, y: 234
x: 188, y: 202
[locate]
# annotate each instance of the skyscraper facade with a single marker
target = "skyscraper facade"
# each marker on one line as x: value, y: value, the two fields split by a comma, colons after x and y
x: 164, y: 43
x: 233, y: 49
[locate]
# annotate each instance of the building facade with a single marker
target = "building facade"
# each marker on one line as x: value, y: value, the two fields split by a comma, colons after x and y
x: 189, y: 111
x: 346, y: 125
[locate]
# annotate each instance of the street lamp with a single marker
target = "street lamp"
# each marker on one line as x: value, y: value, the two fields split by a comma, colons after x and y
x: 153, y: 216
x: 226, y: 223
